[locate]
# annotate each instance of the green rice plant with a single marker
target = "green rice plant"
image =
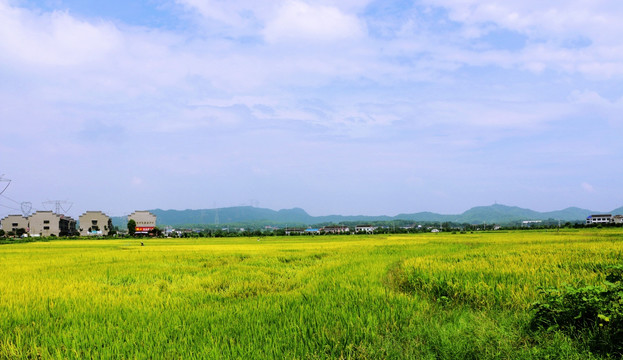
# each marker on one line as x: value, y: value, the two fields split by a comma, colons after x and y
x: 427, y: 296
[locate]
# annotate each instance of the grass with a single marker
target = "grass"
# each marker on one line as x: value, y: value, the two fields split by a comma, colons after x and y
x: 393, y: 296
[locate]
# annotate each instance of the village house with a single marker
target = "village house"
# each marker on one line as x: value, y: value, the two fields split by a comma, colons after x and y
x: 47, y: 223
x: 12, y: 223
x: 145, y: 221
x: 335, y: 229
x: 95, y: 223
x: 368, y: 229
x: 599, y: 219
x: 294, y: 231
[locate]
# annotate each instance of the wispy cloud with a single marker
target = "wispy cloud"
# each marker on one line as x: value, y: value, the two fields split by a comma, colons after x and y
x: 297, y: 21
x: 588, y: 187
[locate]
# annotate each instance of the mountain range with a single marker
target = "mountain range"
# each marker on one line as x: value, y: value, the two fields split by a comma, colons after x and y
x: 499, y: 214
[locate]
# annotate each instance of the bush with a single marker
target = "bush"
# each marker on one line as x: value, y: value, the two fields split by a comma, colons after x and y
x: 591, y: 313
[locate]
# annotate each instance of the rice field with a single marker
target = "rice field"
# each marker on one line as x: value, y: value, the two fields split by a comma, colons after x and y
x: 425, y: 296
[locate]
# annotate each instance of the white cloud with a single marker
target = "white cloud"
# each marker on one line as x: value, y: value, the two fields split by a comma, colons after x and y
x: 53, y: 39
x: 251, y: 79
x: 223, y: 11
x: 299, y: 21
x: 588, y: 187
x: 555, y: 18
x: 284, y: 20
x: 234, y: 18
x: 553, y: 30
x: 591, y: 104
x: 136, y: 181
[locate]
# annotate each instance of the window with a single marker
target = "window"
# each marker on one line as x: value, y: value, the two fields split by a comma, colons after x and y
x: 93, y: 222
x: 46, y: 221
x: 14, y: 224
x: 46, y: 228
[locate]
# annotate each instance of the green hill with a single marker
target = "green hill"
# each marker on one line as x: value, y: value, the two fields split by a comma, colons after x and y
x: 498, y: 214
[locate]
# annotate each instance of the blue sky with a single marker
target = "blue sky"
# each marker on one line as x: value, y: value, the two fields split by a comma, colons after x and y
x: 338, y: 107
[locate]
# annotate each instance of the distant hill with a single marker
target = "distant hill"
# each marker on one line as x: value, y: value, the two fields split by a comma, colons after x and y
x: 617, y: 211
x: 499, y: 214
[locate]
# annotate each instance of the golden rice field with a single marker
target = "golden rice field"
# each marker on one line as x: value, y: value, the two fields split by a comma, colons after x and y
x: 424, y: 296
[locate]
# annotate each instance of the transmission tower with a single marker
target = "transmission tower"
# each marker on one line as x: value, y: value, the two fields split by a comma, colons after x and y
x: 58, y: 205
x: 216, y: 219
x: 26, y: 208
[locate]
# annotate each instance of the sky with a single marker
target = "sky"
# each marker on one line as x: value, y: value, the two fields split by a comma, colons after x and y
x: 351, y: 107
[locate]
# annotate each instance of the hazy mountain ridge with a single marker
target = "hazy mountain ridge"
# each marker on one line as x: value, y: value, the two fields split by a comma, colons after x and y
x: 499, y: 214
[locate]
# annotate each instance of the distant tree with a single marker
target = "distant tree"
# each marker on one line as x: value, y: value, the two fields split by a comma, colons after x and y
x: 131, y: 227
x: 113, y: 231
x: 155, y: 232
x: 2, y: 233
x: 19, y: 232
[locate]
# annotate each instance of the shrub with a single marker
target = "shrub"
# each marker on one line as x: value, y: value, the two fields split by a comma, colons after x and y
x: 590, y: 313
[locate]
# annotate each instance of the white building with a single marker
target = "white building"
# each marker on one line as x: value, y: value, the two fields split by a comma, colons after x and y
x: 294, y: 231
x: 368, y: 229
x: 599, y: 219
x: 335, y: 229
x: 529, y: 223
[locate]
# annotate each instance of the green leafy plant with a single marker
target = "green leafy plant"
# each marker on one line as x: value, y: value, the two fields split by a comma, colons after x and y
x: 590, y: 313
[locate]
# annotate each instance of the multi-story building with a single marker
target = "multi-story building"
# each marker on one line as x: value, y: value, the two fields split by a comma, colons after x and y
x: 95, y: 223
x: 599, y: 219
x: 145, y: 221
x: 367, y: 228
x: 335, y: 229
x: 294, y: 231
x: 47, y: 223
x: 12, y: 223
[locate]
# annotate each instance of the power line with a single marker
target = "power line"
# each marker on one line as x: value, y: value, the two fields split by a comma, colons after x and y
x: 8, y: 198
x: 8, y: 182
x: 8, y: 207
x: 25, y: 206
